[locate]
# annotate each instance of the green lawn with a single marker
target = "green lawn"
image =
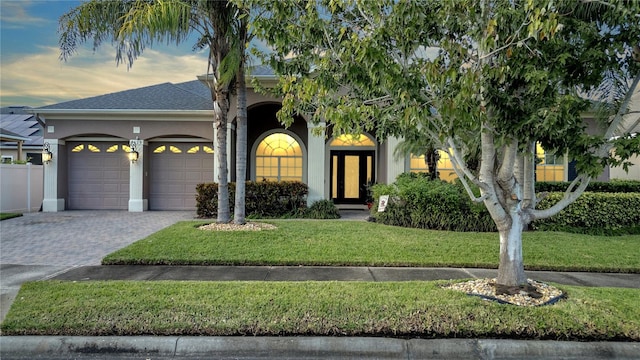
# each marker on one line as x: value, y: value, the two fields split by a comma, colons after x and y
x: 420, y: 309
x: 357, y: 243
x: 5, y: 216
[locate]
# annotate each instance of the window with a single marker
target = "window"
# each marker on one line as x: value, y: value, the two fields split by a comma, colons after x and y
x: 444, y: 166
x: 78, y: 148
x: 352, y: 140
x: 7, y: 159
x: 549, y: 166
x: 279, y: 157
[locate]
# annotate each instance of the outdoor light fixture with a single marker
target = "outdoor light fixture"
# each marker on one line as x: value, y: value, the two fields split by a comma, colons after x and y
x: 46, y: 154
x: 133, y: 154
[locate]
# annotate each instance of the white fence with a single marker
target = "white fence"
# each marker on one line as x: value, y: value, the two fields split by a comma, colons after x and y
x: 21, y: 185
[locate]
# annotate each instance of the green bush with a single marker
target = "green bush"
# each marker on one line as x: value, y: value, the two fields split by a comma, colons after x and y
x: 613, y: 186
x: 322, y: 209
x: 594, y: 213
x: 419, y: 202
x: 263, y: 199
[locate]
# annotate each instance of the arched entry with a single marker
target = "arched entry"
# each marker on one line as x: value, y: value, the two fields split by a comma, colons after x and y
x: 352, y: 168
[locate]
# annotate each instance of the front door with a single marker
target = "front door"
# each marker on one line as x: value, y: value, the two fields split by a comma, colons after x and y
x: 351, y: 171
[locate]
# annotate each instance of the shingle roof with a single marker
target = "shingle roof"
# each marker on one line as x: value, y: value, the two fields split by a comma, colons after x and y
x: 165, y: 96
x: 190, y: 95
x: 262, y: 70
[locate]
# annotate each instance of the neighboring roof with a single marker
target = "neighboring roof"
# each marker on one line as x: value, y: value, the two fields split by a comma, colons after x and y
x: 22, y: 125
x: 192, y: 95
x: 14, y: 110
x: 7, y: 135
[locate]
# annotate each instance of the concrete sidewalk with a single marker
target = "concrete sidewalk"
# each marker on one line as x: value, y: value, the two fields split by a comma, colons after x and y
x: 328, y: 273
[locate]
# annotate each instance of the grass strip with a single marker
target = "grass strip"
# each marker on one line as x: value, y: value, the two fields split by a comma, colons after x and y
x: 358, y: 243
x: 400, y: 309
x: 5, y: 216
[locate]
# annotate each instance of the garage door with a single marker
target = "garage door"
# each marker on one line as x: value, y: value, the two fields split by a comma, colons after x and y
x: 175, y: 170
x: 98, y: 175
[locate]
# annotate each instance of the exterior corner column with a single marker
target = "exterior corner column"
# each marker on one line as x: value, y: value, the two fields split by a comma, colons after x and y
x: 50, y: 201
x: 394, y: 167
x: 315, y: 164
x: 136, y: 179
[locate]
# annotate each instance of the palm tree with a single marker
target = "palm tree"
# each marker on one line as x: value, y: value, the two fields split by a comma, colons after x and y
x: 241, y: 125
x: 132, y: 25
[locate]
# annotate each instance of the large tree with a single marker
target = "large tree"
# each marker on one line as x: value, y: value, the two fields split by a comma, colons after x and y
x: 493, y: 76
x: 132, y: 25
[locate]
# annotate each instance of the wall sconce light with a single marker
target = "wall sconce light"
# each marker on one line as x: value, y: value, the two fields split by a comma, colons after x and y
x: 46, y: 153
x: 133, y: 153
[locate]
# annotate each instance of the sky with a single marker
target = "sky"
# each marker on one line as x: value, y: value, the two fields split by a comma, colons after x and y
x: 32, y: 74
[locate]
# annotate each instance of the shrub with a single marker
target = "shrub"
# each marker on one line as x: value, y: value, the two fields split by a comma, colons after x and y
x: 322, y: 209
x: 594, y: 213
x: 263, y: 199
x: 613, y: 186
x: 417, y: 201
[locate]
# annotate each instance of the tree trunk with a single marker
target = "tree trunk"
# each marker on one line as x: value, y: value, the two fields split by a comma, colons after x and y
x: 221, y: 108
x: 241, y: 148
x: 511, y: 268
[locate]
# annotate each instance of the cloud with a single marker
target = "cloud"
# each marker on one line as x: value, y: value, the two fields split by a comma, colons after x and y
x: 15, y: 14
x: 42, y: 79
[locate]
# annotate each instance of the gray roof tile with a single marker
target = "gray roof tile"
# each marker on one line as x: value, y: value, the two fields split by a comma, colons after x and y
x: 165, y: 96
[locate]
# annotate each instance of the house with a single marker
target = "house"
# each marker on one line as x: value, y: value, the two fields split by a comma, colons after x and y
x: 170, y: 129
x: 170, y: 126
x: 20, y: 136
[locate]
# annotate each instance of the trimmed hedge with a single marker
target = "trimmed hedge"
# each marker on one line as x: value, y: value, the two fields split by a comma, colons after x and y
x: 594, y: 213
x: 614, y: 186
x: 322, y: 209
x: 263, y: 199
x: 419, y: 202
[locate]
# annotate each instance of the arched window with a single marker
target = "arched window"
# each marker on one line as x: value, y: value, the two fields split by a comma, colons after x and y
x: 352, y: 140
x: 279, y: 157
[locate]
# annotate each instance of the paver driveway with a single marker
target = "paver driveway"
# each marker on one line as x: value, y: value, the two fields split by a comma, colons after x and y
x: 77, y: 237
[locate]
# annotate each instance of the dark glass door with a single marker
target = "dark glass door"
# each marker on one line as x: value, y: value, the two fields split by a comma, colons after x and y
x: 351, y: 171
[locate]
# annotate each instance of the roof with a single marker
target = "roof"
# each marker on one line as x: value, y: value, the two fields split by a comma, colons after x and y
x: 192, y: 95
x: 24, y: 126
x: 8, y: 135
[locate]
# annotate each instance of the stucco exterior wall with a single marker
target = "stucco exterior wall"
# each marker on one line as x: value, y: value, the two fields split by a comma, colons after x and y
x: 126, y: 129
x: 633, y: 174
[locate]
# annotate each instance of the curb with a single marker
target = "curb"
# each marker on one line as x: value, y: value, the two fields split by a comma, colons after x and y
x: 22, y: 347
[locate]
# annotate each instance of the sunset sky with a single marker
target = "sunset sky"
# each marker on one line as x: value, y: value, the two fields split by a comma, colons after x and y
x: 32, y: 74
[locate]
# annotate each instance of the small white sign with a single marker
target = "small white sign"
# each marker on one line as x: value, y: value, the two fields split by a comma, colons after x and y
x: 382, y: 203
